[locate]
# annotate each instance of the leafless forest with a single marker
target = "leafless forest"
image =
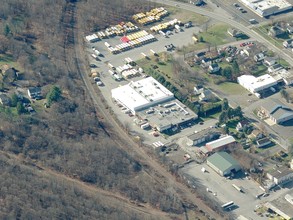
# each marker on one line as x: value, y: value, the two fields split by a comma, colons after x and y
x: 61, y: 163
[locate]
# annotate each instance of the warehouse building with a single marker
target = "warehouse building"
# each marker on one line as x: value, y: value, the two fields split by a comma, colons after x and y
x: 256, y: 84
x: 277, y: 112
x: 265, y: 8
x: 219, y: 144
x: 141, y: 94
x: 223, y: 163
x: 168, y: 115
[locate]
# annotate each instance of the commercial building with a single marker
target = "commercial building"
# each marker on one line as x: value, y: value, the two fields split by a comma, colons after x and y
x: 265, y: 8
x: 203, y: 136
x: 167, y: 115
x: 219, y: 144
x: 276, y: 111
x: 283, y: 205
x: 223, y: 163
x: 280, y: 175
x: 283, y: 75
x: 256, y: 84
x: 142, y: 94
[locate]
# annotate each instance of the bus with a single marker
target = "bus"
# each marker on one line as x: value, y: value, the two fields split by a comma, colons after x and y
x: 228, y: 204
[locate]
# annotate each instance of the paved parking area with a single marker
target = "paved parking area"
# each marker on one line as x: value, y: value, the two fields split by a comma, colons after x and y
x: 225, y: 192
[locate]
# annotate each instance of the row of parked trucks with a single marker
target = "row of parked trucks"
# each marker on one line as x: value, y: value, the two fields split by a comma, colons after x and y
x: 131, y: 44
x: 145, y: 18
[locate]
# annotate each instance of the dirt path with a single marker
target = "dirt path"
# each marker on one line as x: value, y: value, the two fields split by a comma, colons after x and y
x: 88, y: 188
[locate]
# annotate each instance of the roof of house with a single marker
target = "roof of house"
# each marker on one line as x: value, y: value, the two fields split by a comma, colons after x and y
x: 221, y: 142
x: 263, y: 141
x: 222, y: 160
x: 256, y: 132
x: 34, y: 89
x: 269, y: 59
x: 281, y: 172
x: 243, y: 123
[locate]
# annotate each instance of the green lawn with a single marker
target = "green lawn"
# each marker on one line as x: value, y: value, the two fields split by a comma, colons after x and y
x: 232, y: 88
x: 261, y: 69
x: 216, y: 34
x: 284, y: 63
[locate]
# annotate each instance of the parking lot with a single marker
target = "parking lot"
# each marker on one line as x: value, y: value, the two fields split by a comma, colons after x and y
x: 224, y: 192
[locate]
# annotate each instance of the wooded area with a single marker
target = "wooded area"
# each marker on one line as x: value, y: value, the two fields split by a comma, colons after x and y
x: 68, y: 136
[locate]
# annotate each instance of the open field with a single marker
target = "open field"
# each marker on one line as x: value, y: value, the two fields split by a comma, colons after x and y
x: 231, y: 88
x: 216, y: 34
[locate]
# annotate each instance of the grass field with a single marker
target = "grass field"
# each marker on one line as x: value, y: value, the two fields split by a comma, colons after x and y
x: 185, y: 16
x: 232, y: 88
x: 216, y: 34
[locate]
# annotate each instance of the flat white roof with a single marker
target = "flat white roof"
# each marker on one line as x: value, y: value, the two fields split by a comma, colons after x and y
x: 255, y: 84
x: 141, y: 94
x: 220, y: 142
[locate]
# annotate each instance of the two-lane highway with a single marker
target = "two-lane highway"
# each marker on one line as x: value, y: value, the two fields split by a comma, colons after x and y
x: 229, y: 20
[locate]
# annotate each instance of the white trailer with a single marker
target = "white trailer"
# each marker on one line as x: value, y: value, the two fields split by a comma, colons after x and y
x: 145, y: 126
x: 107, y: 44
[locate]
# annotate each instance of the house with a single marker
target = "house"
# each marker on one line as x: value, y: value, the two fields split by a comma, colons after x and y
x: 275, y: 67
x: 200, y: 55
x: 206, y: 62
x: 280, y: 175
x: 223, y: 163
x: 242, y: 124
x: 198, y: 3
x: 276, y: 31
x: 259, y: 57
x: 198, y: 89
x: 4, y: 100
x: 288, y: 43
x: 213, y: 68
x: 234, y: 32
x: 257, y: 134
x: 203, y: 136
x: 206, y: 95
x: 276, y: 111
x: 263, y: 142
x: 290, y: 29
x: 34, y: 92
x: 269, y: 61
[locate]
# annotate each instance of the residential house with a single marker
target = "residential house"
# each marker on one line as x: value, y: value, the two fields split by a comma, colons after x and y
x: 206, y: 62
x: 275, y: 67
x: 276, y: 31
x: 234, y: 32
x: 34, y: 92
x: 276, y: 111
x: 198, y: 89
x: 290, y: 29
x: 206, y: 95
x: 263, y: 142
x: 288, y: 43
x: 4, y: 100
x: 280, y: 175
x: 200, y: 55
x: 257, y: 134
x: 269, y: 61
x: 242, y: 125
x: 213, y: 68
x: 259, y: 57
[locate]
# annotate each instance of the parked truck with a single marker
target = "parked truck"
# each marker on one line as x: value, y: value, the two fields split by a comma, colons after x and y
x: 238, y: 188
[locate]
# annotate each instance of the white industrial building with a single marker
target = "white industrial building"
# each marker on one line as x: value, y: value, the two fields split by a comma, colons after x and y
x: 256, y: 84
x: 265, y: 8
x: 141, y: 94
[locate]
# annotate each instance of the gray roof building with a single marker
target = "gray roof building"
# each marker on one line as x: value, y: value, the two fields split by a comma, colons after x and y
x: 202, y: 136
x: 223, y: 163
x: 277, y: 112
x: 281, y: 175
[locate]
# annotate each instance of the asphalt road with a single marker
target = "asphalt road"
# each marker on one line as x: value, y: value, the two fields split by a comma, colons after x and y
x: 286, y: 55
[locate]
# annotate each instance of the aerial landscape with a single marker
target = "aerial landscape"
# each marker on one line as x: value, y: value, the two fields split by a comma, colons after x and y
x: 146, y: 109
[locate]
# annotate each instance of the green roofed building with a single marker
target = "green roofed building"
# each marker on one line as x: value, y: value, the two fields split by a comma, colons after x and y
x: 223, y: 163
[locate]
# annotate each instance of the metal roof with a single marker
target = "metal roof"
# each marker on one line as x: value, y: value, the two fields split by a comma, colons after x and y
x: 222, y: 161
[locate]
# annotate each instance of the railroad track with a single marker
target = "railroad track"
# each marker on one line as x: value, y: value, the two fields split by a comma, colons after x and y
x: 73, y: 45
